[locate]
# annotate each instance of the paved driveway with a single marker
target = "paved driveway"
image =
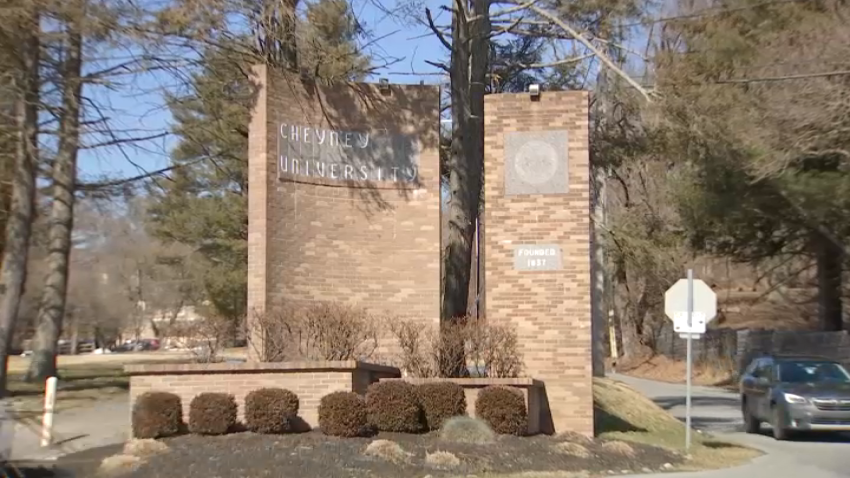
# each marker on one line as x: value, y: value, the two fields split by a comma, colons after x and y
x: 718, y: 412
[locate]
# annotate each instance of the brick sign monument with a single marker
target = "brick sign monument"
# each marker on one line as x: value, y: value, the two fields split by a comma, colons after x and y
x: 344, y: 206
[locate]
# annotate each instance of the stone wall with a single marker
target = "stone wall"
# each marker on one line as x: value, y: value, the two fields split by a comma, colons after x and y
x: 319, y: 231
x: 309, y: 380
x: 537, y: 195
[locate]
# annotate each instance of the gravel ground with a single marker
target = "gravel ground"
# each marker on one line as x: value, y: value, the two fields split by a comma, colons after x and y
x: 312, y: 454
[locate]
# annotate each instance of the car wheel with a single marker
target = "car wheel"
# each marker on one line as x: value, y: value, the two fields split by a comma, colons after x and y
x: 751, y: 423
x: 778, y: 424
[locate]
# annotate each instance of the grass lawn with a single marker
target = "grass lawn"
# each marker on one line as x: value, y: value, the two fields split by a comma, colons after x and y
x: 83, y: 379
x: 624, y: 414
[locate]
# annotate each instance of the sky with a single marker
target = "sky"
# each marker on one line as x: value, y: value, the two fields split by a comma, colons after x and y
x: 138, y: 108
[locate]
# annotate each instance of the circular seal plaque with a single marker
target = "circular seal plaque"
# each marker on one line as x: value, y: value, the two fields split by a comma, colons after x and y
x: 536, y: 162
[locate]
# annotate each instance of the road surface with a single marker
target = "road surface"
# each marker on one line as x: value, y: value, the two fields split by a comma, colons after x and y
x: 76, y: 429
x: 718, y: 411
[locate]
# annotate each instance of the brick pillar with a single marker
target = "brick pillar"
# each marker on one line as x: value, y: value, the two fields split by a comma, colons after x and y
x: 258, y: 178
x: 537, y: 197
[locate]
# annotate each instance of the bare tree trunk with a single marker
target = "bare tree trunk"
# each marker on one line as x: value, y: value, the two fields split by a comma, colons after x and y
x: 22, y: 211
x: 829, y: 257
x: 469, y: 60
x: 53, y: 299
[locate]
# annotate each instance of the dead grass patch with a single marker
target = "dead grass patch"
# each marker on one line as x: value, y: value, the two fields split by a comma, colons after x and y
x: 387, y: 450
x: 619, y: 448
x: 573, y: 449
x: 442, y: 459
x: 145, y: 447
x: 119, y: 464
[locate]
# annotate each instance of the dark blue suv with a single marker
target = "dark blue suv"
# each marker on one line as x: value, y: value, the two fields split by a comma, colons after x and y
x: 795, y: 394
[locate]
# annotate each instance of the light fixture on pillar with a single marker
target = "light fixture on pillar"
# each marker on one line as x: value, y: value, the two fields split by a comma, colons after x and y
x: 384, y: 86
x: 534, y: 92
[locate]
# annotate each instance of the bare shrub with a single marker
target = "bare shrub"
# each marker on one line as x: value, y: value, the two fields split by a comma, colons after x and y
x: 207, y: 337
x: 491, y: 350
x: 417, y: 356
x: 573, y: 449
x: 322, y: 331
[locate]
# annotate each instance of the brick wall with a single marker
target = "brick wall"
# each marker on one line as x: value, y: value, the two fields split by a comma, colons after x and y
x: 309, y: 380
x: 550, y: 309
x: 374, y: 244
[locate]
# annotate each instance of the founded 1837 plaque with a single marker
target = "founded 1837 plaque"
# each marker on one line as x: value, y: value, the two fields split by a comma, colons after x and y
x: 537, y: 257
x: 536, y: 162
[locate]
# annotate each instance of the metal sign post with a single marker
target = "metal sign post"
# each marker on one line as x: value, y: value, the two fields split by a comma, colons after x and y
x: 689, y: 361
x: 690, y: 304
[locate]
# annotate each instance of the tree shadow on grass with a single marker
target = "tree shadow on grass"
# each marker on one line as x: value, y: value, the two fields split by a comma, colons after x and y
x: 606, y: 422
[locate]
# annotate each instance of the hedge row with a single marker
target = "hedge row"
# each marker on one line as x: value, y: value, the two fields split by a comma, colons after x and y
x: 160, y: 414
x: 398, y: 406
x: 391, y: 406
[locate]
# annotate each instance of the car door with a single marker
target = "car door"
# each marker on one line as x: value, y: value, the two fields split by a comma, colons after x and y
x: 763, y: 379
x: 748, y: 380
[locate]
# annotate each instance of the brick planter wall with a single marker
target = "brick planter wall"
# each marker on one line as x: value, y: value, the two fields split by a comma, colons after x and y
x: 309, y: 380
x: 532, y: 391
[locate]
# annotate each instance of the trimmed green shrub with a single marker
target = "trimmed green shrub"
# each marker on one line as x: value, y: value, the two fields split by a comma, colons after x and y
x: 441, y: 401
x: 394, y: 407
x: 503, y: 408
x: 467, y: 430
x: 270, y: 410
x: 157, y: 415
x: 344, y: 414
x: 212, y: 414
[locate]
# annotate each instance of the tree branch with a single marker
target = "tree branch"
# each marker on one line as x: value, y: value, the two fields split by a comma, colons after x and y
x: 590, y: 46
x: 437, y: 30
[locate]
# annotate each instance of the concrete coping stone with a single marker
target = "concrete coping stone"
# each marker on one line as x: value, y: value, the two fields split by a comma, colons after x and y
x: 258, y: 367
x: 522, y: 382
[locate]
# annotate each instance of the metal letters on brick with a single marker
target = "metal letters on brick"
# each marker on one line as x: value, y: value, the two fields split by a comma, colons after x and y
x: 304, y: 151
x: 538, y: 257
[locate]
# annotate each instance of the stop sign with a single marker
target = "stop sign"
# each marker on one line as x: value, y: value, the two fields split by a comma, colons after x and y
x: 676, y: 304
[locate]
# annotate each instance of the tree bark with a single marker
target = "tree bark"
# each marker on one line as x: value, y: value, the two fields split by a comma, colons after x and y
x: 829, y: 258
x: 22, y: 211
x: 53, y: 299
x: 468, y: 73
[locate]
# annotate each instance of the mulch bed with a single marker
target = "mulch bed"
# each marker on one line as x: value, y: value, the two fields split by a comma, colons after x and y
x: 315, y: 455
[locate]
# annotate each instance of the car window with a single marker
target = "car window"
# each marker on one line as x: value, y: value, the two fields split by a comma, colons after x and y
x: 752, y: 367
x: 812, y: 372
